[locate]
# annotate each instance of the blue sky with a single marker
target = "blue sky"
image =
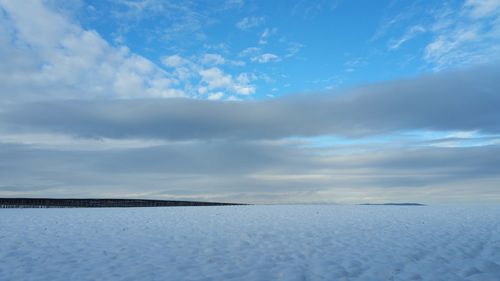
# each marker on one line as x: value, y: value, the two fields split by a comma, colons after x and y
x: 251, y: 101
x: 281, y: 47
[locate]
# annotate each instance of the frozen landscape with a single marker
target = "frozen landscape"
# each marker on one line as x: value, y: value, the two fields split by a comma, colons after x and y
x: 287, y: 242
x: 110, y: 106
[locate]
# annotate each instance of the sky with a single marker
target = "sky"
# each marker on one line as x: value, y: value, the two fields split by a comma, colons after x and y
x: 251, y: 101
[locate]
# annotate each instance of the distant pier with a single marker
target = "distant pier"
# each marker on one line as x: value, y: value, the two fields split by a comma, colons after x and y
x: 99, y: 203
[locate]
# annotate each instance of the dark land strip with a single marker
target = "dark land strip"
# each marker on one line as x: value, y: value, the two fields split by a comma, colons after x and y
x: 392, y: 204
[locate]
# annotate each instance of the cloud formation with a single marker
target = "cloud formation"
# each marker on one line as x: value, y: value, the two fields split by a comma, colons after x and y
x: 466, y: 36
x: 44, y: 55
x: 250, y: 22
x: 465, y: 100
x: 254, y: 172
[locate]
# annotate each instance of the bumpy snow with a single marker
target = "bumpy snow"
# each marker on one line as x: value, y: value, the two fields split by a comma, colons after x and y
x: 252, y: 243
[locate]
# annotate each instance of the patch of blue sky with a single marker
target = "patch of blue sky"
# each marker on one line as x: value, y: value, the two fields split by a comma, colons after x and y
x: 403, y: 139
x: 286, y: 47
x: 456, y: 138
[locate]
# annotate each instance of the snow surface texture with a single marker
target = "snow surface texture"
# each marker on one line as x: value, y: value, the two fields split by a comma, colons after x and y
x: 252, y: 243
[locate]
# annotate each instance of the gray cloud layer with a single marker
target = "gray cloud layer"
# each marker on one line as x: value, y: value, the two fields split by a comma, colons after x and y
x: 240, y: 151
x: 463, y: 100
x: 255, y: 172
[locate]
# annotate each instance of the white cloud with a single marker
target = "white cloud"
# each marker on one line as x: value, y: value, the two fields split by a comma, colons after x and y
x: 202, y: 74
x: 45, y: 55
x: 215, y: 78
x: 202, y: 90
x: 255, y: 54
x: 244, y: 89
x: 265, y: 58
x: 245, y: 78
x: 174, y: 61
x: 250, y: 52
x: 213, y: 59
x: 216, y: 96
x: 250, y: 22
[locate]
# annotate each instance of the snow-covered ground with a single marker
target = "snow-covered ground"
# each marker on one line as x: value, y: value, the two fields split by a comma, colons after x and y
x: 252, y: 243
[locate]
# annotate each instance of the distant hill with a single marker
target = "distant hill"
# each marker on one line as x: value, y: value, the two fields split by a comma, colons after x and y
x: 98, y: 203
x: 393, y: 204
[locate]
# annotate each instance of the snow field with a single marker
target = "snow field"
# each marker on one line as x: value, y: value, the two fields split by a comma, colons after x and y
x: 288, y: 242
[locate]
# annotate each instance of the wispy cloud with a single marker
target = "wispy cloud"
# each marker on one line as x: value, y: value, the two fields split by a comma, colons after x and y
x: 467, y: 36
x: 265, y: 58
x: 390, y: 22
x: 256, y: 54
x: 293, y: 49
x: 483, y: 8
x: 353, y: 63
x: 250, y: 22
x: 213, y: 59
x: 409, y: 34
x: 309, y: 9
x: 456, y: 34
x: 264, y: 36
